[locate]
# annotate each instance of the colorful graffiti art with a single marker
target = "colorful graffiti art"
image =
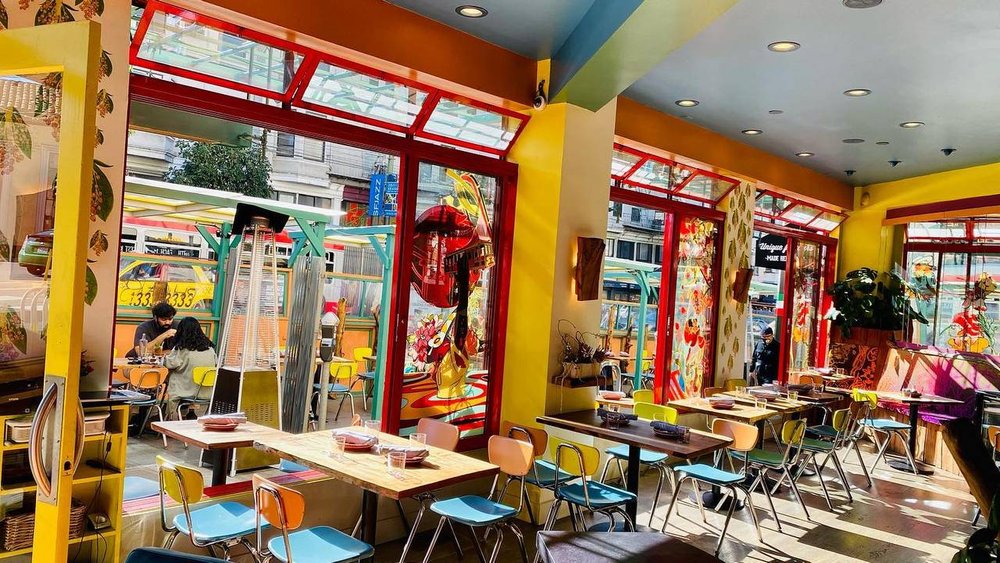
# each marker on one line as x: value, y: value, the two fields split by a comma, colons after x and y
x: 972, y: 330
x: 694, y: 307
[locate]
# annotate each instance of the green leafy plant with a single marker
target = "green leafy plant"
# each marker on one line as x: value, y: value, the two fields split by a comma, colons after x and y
x: 982, y: 545
x: 243, y: 170
x: 868, y: 299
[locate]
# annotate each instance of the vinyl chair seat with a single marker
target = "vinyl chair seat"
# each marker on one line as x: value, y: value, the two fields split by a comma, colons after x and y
x: 761, y: 457
x: 822, y: 431
x: 601, y: 495
x: 219, y: 522
x: 546, y: 471
x: 710, y: 474
x: 366, y: 375
x: 885, y: 424
x: 333, y: 388
x: 321, y: 544
x: 814, y: 445
x: 473, y: 510
x: 645, y: 456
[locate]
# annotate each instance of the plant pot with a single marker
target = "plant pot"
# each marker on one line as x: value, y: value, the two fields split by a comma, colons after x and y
x: 580, y: 371
x: 862, y: 356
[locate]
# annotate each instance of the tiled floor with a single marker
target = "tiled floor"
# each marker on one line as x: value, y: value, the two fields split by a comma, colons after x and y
x: 901, y: 518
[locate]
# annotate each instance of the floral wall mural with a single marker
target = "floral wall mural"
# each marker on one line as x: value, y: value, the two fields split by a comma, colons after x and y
x: 736, y: 255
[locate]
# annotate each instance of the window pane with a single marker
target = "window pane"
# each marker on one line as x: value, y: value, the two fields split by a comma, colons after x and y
x: 986, y: 229
x: 626, y: 250
x: 805, y: 297
x: 771, y: 205
x: 472, y: 125
x: 694, y: 310
x: 622, y: 162
x: 922, y: 275
x: 826, y: 221
x: 936, y: 230
x: 359, y: 94
x: 951, y: 328
x: 706, y: 188
x: 312, y: 149
x: 185, y: 44
x: 448, y: 325
x: 975, y: 331
x: 658, y: 174
x: 800, y: 214
x: 286, y: 145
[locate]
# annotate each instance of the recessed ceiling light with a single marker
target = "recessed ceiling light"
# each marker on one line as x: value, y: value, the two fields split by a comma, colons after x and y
x: 881, y: 142
x: 857, y: 92
x: 861, y: 4
x: 687, y: 103
x: 911, y: 124
x: 751, y: 131
x: 471, y: 11
x: 776, y: 112
x: 783, y: 46
x: 804, y: 154
x: 895, y: 163
x: 853, y: 141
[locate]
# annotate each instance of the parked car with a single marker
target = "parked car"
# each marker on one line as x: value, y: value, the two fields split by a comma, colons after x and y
x: 34, y: 253
x: 142, y: 282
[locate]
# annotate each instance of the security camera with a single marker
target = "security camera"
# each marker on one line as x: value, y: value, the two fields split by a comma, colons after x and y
x: 948, y: 151
x: 850, y: 172
x: 895, y: 163
x: 540, y: 98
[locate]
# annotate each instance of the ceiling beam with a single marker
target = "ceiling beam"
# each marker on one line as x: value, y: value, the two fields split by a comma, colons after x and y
x: 617, y: 43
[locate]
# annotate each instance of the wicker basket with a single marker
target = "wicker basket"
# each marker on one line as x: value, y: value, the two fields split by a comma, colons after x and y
x: 17, y: 529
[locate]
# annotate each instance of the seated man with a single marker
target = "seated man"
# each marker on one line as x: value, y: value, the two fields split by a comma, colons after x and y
x: 158, y: 330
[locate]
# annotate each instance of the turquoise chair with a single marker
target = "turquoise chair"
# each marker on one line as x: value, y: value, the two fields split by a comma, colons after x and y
x: 815, y: 447
x: 792, y: 435
x: 284, y: 508
x: 514, y: 458
x: 214, y: 527
x: 885, y: 426
x: 649, y: 458
x: 543, y: 472
x: 744, y: 440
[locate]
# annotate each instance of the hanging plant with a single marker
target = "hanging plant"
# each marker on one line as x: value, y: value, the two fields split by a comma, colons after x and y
x: 867, y: 299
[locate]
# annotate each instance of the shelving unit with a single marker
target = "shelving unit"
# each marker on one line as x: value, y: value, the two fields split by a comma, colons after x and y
x: 100, y: 489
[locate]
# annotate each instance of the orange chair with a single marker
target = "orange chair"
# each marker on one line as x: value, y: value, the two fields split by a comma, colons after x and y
x: 152, y: 382
x: 809, y: 379
x: 543, y: 472
x: 709, y: 391
x: 284, y: 509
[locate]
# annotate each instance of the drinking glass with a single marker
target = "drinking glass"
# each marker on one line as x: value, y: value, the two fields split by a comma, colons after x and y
x: 793, y: 395
x: 373, y: 426
x: 396, y: 464
x: 418, y: 440
x: 339, y: 446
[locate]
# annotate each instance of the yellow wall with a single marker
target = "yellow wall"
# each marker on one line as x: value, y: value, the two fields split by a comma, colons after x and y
x: 864, y: 241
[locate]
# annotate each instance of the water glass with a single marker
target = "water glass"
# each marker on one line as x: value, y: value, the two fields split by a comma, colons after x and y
x: 396, y: 464
x: 418, y: 440
x: 793, y: 395
x: 339, y: 446
x: 373, y: 426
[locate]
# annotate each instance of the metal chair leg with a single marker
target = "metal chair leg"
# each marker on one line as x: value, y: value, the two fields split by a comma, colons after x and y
x: 673, y: 501
x: 607, y: 464
x: 767, y: 494
x: 168, y: 542
x: 520, y: 539
x: 798, y: 495
x: 843, y: 475
x: 975, y: 519
x: 753, y: 513
x: 413, y: 532
x: 402, y: 513
x: 479, y: 547
x: 725, y: 526
x: 159, y: 410
x: 822, y: 482
x: 437, y: 532
x: 656, y: 497
x: 527, y: 504
x: 496, y: 547
x: 697, y: 498
x: 861, y: 462
x: 906, y: 448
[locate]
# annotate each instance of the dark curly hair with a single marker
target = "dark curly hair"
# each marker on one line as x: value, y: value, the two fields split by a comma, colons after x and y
x: 190, y: 336
x: 164, y: 310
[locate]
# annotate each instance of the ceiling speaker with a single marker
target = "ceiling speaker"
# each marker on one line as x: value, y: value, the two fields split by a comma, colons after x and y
x: 862, y: 3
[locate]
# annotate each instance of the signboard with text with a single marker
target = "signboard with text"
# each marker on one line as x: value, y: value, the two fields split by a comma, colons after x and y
x: 771, y: 252
x: 382, y: 193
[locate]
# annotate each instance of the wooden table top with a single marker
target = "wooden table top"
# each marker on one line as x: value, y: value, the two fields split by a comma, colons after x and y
x: 595, y: 547
x: 367, y: 470
x: 742, y: 413
x: 638, y: 433
x: 925, y: 398
x: 626, y: 403
x: 192, y: 432
x: 124, y: 363
x: 783, y: 404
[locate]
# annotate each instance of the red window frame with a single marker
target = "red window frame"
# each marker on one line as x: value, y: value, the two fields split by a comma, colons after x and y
x: 793, y: 203
x: 295, y: 92
x: 676, y: 192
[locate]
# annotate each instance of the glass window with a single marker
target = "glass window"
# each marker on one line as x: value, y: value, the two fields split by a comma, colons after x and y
x: 656, y: 173
x: 771, y: 205
x: 636, y: 215
x: 313, y: 149
x: 179, y: 42
x: 453, y: 121
x: 986, y: 230
x: 923, y: 276
x: 936, y: 230
x: 626, y: 250
x: 800, y: 214
x: 609, y: 248
x: 694, y: 308
x: 449, y: 324
x: 805, y: 295
x: 622, y: 162
x: 286, y: 145
x: 644, y: 252
x: 658, y: 257
x: 826, y: 221
x: 706, y: 188
x: 362, y: 95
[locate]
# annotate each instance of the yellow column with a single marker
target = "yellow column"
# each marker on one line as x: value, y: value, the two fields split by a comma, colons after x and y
x: 564, y: 158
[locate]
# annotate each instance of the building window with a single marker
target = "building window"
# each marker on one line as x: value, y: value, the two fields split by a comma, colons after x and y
x: 283, y: 197
x: 626, y: 250
x: 636, y: 214
x: 658, y: 255
x: 644, y: 252
x: 286, y: 145
x: 313, y: 149
x: 609, y: 248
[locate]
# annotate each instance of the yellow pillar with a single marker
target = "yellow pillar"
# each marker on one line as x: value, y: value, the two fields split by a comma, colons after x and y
x: 564, y: 158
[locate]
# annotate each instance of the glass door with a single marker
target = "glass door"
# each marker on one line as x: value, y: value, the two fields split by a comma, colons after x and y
x: 806, y: 281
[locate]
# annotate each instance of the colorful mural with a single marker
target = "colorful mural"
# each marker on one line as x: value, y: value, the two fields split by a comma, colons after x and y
x: 806, y: 282
x: 732, y: 313
x: 694, y: 308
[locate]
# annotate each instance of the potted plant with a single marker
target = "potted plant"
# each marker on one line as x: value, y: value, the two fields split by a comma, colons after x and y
x: 867, y: 299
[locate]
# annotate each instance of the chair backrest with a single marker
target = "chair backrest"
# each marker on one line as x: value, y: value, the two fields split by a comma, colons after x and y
x: 734, y: 384
x: 649, y: 411
x: 841, y: 420
x: 513, y: 456
x: 147, y: 378
x: 792, y: 434
x: 342, y: 370
x: 643, y: 396
x: 185, y: 485
x: 744, y: 435
x: 538, y: 437
x: 440, y: 434
x: 282, y: 507
x: 709, y: 391
x: 810, y: 379
x: 568, y: 456
x: 861, y: 395
x: 204, y: 376
x: 360, y: 353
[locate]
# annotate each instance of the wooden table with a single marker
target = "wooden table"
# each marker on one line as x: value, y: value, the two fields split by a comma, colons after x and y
x: 123, y: 366
x: 221, y: 444
x: 739, y: 412
x: 367, y: 470
x: 636, y: 435
x: 590, y: 547
x: 914, y: 404
x: 626, y: 403
x: 783, y: 405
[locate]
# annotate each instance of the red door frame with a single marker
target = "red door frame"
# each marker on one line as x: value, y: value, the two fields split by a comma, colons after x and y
x: 821, y: 328
x: 410, y: 153
x: 665, y: 311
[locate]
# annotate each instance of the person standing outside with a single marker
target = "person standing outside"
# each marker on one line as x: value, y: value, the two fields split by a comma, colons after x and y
x: 766, y: 355
x: 159, y: 330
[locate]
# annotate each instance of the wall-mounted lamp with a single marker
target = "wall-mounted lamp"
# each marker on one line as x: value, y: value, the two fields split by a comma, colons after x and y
x: 589, y: 268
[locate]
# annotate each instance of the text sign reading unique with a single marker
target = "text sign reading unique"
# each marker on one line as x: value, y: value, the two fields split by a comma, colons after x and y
x: 772, y: 252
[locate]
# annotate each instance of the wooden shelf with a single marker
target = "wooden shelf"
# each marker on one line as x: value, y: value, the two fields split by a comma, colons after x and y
x: 15, y: 553
x: 13, y: 447
x: 92, y: 535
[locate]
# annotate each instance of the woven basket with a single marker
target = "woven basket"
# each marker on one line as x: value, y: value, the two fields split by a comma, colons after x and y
x: 18, y: 529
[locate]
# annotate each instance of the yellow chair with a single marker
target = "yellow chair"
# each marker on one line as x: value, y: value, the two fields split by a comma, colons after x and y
x: 365, y: 376
x: 217, y: 526
x: 734, y: 384
x: 654, y: 459
x: 204, y: 377
x: 886, y: 426
x: 581, y: 492
x: 643, y: 396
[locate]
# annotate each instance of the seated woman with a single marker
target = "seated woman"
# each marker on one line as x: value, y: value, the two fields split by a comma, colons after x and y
x: 192, y: 349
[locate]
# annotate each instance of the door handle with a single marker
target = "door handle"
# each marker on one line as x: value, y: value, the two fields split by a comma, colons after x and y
x: 44, y: 477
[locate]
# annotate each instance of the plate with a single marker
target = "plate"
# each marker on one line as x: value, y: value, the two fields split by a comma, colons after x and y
x: 220, y: 427
x: 612, y: 395
x: 358, y: 447
x: 723, y: 406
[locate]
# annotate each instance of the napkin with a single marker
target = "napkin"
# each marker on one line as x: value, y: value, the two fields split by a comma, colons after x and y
x: 355, y: 438
x: 661, y: 426
x: 603, y: 412
x: 231, y: 418
x: 412, y: 453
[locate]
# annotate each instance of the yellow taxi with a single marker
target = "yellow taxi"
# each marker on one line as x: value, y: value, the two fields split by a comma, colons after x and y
x: 185, y: 285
